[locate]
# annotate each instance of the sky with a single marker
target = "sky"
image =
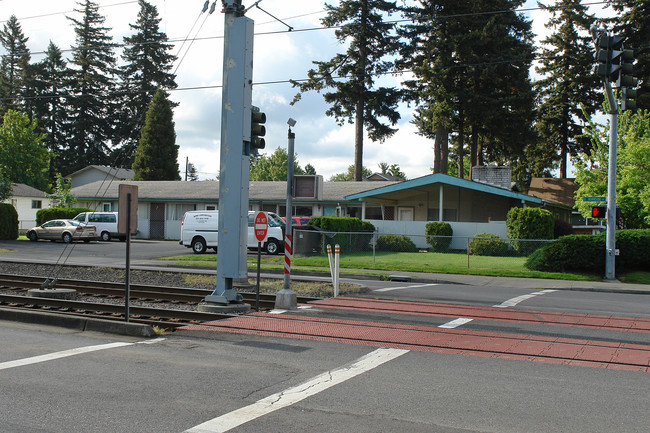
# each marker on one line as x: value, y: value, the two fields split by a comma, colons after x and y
x: 279, y: 55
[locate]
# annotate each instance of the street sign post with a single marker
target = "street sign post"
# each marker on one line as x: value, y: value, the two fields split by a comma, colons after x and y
x: 261, y: 228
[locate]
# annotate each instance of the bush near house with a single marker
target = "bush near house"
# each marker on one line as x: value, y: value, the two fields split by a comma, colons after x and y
x: 8, y: 222
x: 53, y: 213
x: 488, y: 244
x: 528, y: 223
x: 438, y: 235
x: 354, y: 238
x: 396, y: 243
x: 586, y: 253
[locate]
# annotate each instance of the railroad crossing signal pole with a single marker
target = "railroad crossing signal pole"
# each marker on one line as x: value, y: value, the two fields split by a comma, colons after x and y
x: 234, y: 177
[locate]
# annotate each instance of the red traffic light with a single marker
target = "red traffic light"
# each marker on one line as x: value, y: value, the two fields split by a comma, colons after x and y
x: 599, y: 212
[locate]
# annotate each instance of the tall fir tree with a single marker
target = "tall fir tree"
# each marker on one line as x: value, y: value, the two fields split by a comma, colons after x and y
x: 634, y: 24
x: 356, y: 98
x: 470, y: 59
x: 147, y: 68
x: 156, y: 157
x: 50, y: 108
x: 92, y: 103
x: 569, y: 85
x: 14, y: 66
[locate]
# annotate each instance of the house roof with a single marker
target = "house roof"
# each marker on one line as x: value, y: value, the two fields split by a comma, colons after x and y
x: 439, y: 178
x: 22, y: 190
x: 553, y: 189
x: 208, y: 191
x: 116, y: 173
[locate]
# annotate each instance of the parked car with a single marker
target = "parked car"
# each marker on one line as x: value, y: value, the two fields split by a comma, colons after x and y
x: 298, y: 220
x: 199, y: 231
x: 104, y: 222
x: 64, y: 230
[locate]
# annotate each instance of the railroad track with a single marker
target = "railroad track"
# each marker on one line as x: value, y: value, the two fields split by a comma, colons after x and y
x: 171, y: 307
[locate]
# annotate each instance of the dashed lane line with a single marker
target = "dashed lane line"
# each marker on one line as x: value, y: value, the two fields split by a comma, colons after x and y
x: 297, y: 393
x: 514, y: 301
x: 70, y: 352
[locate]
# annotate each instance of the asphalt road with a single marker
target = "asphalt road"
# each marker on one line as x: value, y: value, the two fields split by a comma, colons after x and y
x: 56, y: 380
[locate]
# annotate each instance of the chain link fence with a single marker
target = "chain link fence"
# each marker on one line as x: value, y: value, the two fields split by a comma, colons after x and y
x: 371, y: 244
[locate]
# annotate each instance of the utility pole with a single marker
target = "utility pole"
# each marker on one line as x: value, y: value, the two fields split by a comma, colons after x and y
x: 234, y: 177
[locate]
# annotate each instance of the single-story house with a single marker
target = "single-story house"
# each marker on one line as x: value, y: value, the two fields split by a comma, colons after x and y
x: 563, y: 191
x: 398, y: 207
x: 469, y: 206
x: 27, y: 201
x: 94, y: 173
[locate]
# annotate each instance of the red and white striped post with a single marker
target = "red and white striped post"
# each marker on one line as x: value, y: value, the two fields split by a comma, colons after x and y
x: 287, y: 253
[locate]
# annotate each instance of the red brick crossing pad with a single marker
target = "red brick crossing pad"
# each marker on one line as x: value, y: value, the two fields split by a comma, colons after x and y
x: 593, y: 321
x: 558, y: 350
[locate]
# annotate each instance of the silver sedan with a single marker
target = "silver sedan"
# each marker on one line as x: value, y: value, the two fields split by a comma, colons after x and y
x: 64, y: 230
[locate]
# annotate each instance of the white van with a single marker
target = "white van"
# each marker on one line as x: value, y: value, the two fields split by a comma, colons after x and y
x: 199, y: 231
x: 106, y: 223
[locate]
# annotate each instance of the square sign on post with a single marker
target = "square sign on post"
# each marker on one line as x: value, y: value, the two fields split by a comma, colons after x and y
x: 261, y: 226
x: 122, y: 206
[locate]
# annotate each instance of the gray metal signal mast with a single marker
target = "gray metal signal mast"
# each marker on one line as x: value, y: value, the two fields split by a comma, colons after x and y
x: 240, y: 131
x: 614, y: 66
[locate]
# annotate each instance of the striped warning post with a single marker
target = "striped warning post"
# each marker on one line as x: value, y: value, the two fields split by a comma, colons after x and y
x: 287, y: 254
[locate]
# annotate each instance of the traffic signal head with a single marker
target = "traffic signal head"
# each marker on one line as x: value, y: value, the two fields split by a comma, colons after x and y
x: 609, y: 57
x: 599, y: 212
x: 627, y: 99
x: 257, y: 128
x: 626, y: 73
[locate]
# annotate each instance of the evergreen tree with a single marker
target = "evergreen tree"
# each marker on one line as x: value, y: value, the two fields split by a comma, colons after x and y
x: 51, y: 86
x: 569, y: 82
x: 92, y: 104
x: 355, y: 98
x: 348, y: 176
x: 147, y: 68
x: 310, y: 169
x: 470, y: 59
x: 14, y: 66
x: 156, y: 157
x: 634, y: 24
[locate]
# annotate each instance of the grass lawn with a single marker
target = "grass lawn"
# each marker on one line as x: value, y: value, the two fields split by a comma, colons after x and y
x: 386, y: 263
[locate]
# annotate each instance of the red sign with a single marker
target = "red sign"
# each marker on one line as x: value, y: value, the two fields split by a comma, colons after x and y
x: 261, y: 226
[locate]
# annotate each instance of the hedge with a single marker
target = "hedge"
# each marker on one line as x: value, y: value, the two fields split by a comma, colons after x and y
x: 438, y: 235
x: 54, y: 213
x: 8, y: 222
x: 528, y: 223
x: 396, y: 243
x: 354, y: 238
x: 488, y: 244
x: 586, y: 253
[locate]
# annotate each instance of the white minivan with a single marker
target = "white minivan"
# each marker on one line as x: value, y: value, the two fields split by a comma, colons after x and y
x: 106, y: 223
x: 199, y: 231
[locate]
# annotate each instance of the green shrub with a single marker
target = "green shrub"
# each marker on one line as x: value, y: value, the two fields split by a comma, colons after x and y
x: 438, y: 235
x: 586, y: 253
x: 8, y: 222
x: 529, y: 223
x: 352, y: 238
x: 53, y: 213
x: 396, y: 243
x: 488, y: 244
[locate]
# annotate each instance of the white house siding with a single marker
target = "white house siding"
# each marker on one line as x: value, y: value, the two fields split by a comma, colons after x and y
x: 462, y: 231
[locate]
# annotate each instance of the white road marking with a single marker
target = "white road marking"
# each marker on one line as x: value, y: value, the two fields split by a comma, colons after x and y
x: 455, y: 323
x: 297, y: 393
x: 277, y: 311
x: 514, y: 301
x: 388, y: 289
x: 70, y: 352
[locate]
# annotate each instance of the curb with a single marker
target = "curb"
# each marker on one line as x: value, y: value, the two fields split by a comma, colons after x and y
x: 78, y: 322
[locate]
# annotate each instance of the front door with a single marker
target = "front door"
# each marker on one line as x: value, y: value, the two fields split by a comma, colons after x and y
x: 157, y: 221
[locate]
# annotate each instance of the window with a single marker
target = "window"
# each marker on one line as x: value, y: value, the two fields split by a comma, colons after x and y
x: 211, y: 207
x: 107, y: 207
x: 37, y: 204
x: 176, y: 211
x: 405, y: 213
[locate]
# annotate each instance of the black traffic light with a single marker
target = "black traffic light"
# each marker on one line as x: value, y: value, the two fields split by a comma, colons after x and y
x: 257, y: 128
x: 609, y: 54
x: 626, y: 75
x: 599, y: 211
x: 627, y: 99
